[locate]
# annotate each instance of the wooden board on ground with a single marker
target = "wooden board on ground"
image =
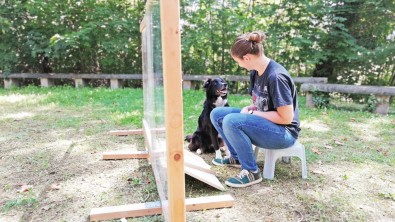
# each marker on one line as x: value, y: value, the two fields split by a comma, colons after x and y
x: 196, y: 157
x: 126, y: 132
x: 134, y: 132
x: 125, y: 155
x: 151, y: 208
x: 208, y: 178
x: 191, y: 160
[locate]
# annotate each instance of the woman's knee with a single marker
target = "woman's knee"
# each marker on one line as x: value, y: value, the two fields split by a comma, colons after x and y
x: 232, y: 120
x: 218, y: 112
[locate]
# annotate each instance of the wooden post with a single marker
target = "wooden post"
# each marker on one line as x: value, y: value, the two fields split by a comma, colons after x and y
x: 45, y: 82
x: 383, y: 106
x: 11, y: 82
x: 80, y: 83
x: 309, y: 100
x: 186, y: 84
x: 116, y: 83
x: 171, y: 53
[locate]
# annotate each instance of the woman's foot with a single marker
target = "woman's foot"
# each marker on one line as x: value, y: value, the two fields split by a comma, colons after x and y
x: 227, y: 161
x: 245, y: 179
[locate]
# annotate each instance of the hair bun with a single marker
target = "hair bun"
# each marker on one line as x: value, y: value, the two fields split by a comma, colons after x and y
x: 256, y: 37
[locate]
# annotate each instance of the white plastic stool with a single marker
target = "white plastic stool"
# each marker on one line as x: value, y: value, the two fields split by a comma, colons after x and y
x: 271, y: 156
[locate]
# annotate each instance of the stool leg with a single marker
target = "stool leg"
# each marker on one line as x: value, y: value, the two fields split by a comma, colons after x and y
x: 303, y: 159
x: 286, y: 159
x: 256, y: 153
x: 270, y: 165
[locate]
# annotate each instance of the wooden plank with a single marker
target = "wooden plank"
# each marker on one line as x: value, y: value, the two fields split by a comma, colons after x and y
x: 148, y: 139
x: 171, y: 54
x: 135, y: 131
x: 125, y: 155
x: 211, y: 202
x: 191, y: 162
x: 142, y: 25
x: 124, y: 211
x: 126, y: 132
x: 310, y: 79
x: 208, y: 178
x: 195, y: 157
x: 340, y: 88
x: 199, y: 77
x: 151, y: 208
x: 71, y: 76
x: 139, y: 76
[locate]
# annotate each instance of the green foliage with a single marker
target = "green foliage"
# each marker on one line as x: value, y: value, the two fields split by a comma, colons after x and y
x: 25, y: 199
x: 372, y: 103
x: 71, y: 36
x: 388, y: 196
x: 349, y: 42
x: 320, y: 99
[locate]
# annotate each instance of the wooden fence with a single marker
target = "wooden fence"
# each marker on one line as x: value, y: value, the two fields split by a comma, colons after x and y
x: 117, y: 80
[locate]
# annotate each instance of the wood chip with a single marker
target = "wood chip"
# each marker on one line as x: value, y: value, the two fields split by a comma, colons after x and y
x: 25, y: 188
x: 315, y: 150
x: 338, y: 142
x: 55, y: 186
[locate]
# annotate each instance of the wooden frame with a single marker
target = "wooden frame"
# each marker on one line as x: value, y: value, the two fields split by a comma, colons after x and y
x: 171, y: 53
x: 176, y: 204
x: 151, y: 208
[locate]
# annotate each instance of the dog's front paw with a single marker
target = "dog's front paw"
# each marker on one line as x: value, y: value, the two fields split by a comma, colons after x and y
x: 199, y: 151
x: 227, y: 152
x: 218, y: 154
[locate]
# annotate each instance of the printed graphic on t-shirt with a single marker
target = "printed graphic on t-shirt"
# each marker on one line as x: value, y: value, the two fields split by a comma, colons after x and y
x: 261, y: 98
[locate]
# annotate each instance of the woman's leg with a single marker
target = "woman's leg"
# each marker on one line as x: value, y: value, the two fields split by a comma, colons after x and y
x: 243, y: 130
x: 217, y: 115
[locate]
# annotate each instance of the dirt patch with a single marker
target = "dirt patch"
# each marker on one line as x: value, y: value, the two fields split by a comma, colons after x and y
x: 46, y: 145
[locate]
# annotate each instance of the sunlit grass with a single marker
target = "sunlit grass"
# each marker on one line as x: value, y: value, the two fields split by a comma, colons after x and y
x: 362, y: 133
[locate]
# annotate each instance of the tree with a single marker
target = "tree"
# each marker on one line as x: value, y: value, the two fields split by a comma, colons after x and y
x: 71, y: 36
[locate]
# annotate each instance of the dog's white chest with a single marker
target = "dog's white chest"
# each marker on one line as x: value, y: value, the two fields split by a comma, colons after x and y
x: 220, y: 102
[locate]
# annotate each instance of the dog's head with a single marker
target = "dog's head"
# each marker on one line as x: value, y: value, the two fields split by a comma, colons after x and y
x: 216, y: 87
x: 194, y: 141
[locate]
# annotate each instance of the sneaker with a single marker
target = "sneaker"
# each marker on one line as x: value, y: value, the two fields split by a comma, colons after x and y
x: 227, y: 161
x: 245, y: 179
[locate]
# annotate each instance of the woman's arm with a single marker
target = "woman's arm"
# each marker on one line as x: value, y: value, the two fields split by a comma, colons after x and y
x: 247, y: 108
x: 284, y: 114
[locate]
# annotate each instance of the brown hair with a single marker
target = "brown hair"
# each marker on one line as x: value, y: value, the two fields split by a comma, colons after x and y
x: 248, y: 43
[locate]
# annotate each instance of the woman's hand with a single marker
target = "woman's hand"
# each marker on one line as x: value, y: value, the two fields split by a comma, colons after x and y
x: 247, y: 108
x: 244, y: 110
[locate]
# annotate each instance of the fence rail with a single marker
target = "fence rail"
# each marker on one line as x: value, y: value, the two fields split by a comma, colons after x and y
x: 116, y: 80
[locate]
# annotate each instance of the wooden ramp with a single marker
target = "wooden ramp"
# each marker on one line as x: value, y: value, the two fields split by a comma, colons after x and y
x: 152, y: 208
x: 194, y: 166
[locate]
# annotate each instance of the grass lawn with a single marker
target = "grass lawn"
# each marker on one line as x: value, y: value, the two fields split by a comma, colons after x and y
x: 52, y: 140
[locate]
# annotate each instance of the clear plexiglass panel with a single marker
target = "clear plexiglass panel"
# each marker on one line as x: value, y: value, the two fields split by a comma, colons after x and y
x: 154, y: 110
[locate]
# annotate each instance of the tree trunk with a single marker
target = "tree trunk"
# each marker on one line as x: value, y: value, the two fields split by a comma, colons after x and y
x: 325, y: 69
x: 45, y: 65
x: 223, y: 38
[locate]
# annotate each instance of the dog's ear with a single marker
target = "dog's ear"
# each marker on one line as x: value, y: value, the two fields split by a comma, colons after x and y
x: 188, y: 138
x: 206, y: 83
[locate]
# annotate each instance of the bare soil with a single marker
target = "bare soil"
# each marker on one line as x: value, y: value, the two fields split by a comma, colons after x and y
x: 44, y: 146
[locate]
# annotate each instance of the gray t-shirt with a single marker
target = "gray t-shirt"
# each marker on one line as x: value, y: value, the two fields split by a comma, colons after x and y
x: 275, y: 88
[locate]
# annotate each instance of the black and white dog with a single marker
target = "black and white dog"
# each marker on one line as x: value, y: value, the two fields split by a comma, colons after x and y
x: 205, y: 139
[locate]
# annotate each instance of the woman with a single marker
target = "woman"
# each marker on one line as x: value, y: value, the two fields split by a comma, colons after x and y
x: 271, y: 122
